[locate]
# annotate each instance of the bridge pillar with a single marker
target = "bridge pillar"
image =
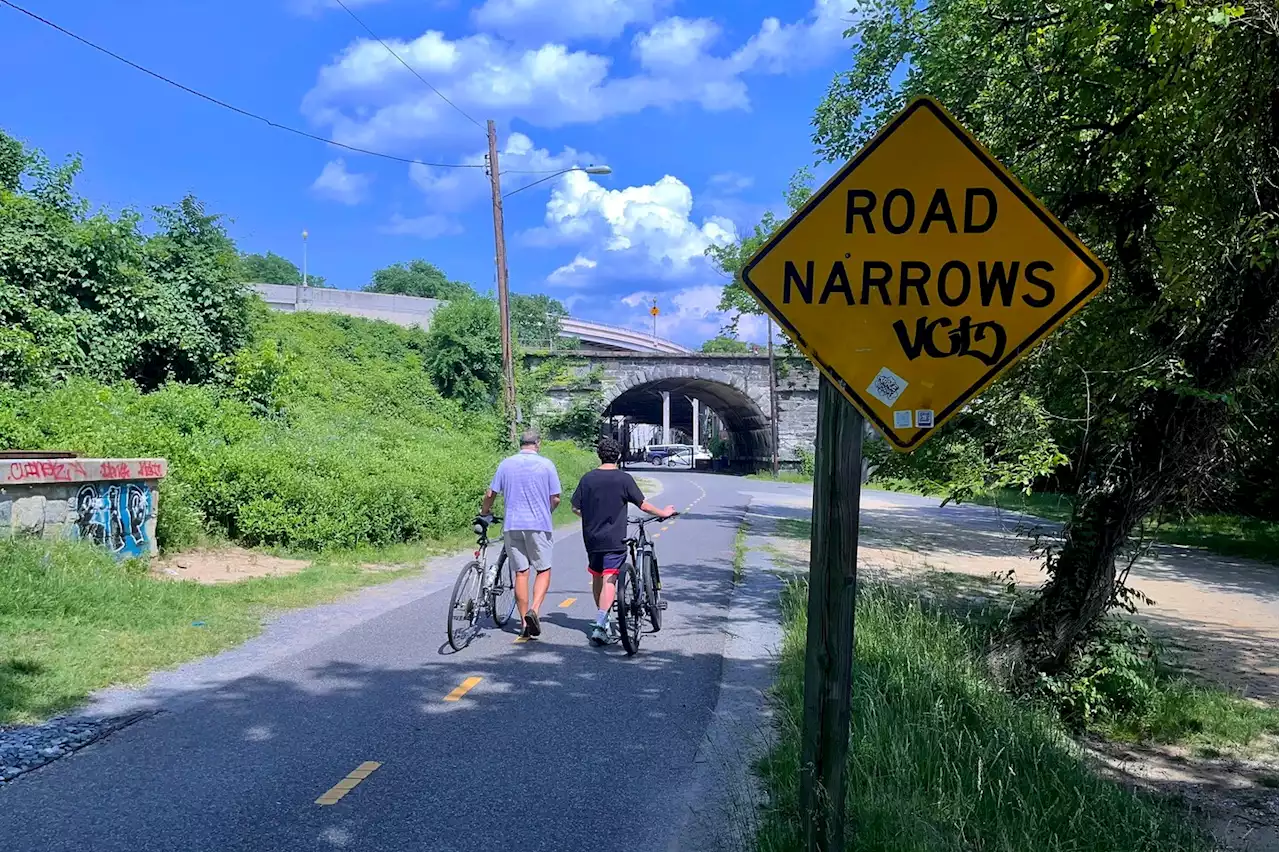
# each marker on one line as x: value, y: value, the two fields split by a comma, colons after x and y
x: 694, y: 402
x: 666, y: 417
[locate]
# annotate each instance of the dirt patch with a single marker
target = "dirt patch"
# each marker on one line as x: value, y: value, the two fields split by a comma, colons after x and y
x: 224, y: 565
x: 1235, y: 798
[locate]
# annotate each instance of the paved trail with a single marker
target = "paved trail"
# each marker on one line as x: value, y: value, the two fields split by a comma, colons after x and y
x: 554, y: 745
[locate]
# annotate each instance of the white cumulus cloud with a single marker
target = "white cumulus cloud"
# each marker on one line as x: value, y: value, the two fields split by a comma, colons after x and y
x: 338, y: 184
x: 637, y: 230
x: 564, y: 20
x: 366, y: 98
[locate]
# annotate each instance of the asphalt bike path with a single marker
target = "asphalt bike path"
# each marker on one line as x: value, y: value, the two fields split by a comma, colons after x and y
x: 382, y: 738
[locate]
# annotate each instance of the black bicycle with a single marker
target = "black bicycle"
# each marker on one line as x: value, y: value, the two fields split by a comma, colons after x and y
x: 481, y: 590
x: 639, y: 587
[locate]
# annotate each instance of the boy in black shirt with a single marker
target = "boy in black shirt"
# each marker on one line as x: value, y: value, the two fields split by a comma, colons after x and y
x: 601, y: 499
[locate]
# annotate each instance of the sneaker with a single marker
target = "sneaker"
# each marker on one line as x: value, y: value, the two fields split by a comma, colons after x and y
x: 599, y: 636
x: 531, y: 626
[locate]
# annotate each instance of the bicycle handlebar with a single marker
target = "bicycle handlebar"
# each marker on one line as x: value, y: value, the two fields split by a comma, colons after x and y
x: 651, y: 519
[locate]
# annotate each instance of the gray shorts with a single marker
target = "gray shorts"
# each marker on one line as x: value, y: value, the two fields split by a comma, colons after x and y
x: 528, y: 549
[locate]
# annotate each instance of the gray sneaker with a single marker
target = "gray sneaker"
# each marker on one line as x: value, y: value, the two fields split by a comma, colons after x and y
x: 599, y: 635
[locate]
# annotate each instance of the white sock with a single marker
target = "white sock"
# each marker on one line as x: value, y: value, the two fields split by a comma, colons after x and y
x: 602, y: 617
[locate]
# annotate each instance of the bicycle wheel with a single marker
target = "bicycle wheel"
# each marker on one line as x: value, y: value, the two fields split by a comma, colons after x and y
x: 504, y: 598
x: 630, y: 608
x: 653, y: 596
x: 464, y: 606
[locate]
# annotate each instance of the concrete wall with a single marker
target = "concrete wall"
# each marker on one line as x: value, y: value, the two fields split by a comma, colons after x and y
x: 111, y: 502
x: 401, y: 310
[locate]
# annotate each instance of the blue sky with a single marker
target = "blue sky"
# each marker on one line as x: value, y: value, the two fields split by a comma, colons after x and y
x: 701, y: 108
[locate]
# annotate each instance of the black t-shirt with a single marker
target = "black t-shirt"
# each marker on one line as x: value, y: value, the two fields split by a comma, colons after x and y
x: 602, y: 497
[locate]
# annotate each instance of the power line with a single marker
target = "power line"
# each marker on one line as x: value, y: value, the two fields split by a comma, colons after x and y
x: 407, y: 65
x: 232, y: 107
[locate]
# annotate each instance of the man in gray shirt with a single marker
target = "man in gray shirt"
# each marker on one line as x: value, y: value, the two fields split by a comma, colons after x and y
x: 530, y: 489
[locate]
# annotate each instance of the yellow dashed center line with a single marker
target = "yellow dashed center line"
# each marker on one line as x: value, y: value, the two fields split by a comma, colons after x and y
x: 519, y: 639
x: 346, y: 785
x: 463, y: 688
x: 567, y: 602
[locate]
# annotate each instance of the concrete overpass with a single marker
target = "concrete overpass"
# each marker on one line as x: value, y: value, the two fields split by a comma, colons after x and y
x: 415, y: 311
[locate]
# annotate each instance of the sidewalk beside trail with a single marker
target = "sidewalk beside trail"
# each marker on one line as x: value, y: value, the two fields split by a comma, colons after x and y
x: 722, y: 798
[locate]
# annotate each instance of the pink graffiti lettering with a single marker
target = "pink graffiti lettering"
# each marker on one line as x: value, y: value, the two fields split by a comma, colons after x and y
x: 78, y: 473
x: 150, y: 470
x: 111, y: 470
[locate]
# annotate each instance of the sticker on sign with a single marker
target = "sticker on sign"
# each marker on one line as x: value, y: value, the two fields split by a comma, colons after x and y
x: 920, y: 272
x: 887, y: 386
x: 902, y: 419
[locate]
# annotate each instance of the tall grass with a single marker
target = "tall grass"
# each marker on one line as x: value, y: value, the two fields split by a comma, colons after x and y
x: 940, y: 760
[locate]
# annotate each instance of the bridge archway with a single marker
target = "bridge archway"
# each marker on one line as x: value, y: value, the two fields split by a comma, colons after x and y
x: 638, y: 396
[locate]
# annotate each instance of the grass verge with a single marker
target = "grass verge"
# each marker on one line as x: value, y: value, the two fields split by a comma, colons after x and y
x: 740, y: 551
x: 783, y: 476
x: 941, y: 760
x: 73, y: 620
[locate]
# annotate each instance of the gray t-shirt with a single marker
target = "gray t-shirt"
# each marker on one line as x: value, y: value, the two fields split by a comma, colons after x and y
x: 527, y: 482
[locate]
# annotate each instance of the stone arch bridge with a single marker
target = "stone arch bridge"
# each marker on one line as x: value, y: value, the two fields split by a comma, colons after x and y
x: 648, y: 388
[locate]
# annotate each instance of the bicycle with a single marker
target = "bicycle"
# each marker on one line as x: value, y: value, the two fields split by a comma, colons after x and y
x: 639, y: 587
x: 481, y: 590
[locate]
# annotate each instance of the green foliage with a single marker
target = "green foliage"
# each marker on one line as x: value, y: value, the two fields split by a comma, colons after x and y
x: 726, y: 345
x: 418, y: 278
x: 1116, y: 683
x: 580, y: 424
x: 88, y: 294
x: 535, y: 321
x: 806, y: 457
x: 271, y: 268
x: 1003, y: 439
x: 362, y: 450
x: 464, y: 352
x: 939, y: 759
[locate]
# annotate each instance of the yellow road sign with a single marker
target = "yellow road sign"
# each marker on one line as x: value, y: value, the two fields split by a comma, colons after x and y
x: 919, y: 273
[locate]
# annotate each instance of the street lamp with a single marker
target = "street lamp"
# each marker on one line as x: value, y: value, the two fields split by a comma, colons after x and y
x: 304, y: 258
x: 500, y: 260
x: 591, y: 170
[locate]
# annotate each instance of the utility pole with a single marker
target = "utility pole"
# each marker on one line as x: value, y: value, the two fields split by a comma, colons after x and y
x: 504, y: 310
x: 773, y: 400
x: 653, y: 312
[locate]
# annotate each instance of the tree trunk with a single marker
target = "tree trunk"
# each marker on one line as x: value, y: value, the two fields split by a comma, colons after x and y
x: 1175, y: 436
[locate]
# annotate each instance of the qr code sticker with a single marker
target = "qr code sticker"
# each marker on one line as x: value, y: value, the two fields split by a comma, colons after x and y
x: 924, y: 418
x: 887, y: 386
x: 902, y: 419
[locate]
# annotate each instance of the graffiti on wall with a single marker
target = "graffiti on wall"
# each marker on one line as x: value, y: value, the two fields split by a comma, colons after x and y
x: 114, y: 515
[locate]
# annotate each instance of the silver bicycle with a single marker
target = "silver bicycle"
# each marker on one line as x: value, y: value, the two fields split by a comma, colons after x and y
x: 483, y: 589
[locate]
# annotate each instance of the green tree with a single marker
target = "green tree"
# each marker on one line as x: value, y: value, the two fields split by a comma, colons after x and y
x: 417, y: 278
x: 724, y: 344
x: 271, y: 268
x: 465, y: 351
x: 535, y: 320
x: 1151, y: 129
x: 87, y: 294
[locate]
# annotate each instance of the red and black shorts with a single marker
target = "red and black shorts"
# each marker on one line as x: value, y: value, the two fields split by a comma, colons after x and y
x: 606, y: 563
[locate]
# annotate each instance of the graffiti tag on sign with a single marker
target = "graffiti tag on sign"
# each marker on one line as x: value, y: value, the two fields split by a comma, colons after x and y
x: 920, y: 272
x: 46, y: 470
x: 114, y: 515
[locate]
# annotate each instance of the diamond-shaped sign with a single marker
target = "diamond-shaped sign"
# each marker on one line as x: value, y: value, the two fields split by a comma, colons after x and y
x: 919, y: 273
